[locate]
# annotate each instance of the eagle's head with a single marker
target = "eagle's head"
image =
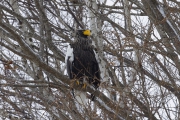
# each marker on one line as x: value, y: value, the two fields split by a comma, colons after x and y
x: 84, y: 33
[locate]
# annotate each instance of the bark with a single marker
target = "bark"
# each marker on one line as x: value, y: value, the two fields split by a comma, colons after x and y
x: 137, y: 47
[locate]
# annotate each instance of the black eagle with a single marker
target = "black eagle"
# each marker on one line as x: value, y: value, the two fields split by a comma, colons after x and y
x: 82, y: 64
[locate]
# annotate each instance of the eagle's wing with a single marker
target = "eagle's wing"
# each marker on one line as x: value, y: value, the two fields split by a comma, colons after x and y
x: 69, y: 60
x: 80, y: 96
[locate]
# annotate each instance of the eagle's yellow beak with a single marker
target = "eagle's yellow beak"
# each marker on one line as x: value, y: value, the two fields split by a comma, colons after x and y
x: 87, y: 32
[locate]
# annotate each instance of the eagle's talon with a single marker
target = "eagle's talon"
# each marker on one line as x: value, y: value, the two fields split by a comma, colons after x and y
x: 77, y: 82
x: 84, y: 86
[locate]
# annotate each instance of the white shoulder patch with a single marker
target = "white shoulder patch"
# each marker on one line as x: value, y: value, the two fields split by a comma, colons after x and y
x: 96, y: 55
x: 69, y: 54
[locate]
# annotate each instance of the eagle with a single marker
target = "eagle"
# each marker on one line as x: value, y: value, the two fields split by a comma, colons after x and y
x: 82, y: 65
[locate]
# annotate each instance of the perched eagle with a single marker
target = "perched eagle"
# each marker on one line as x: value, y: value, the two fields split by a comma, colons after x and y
x: 82, y: 65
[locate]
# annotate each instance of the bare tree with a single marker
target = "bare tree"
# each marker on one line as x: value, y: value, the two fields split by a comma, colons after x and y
x: 137, y: 45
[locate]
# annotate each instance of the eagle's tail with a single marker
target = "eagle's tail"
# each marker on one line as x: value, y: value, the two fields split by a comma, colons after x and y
x: 81, y: 97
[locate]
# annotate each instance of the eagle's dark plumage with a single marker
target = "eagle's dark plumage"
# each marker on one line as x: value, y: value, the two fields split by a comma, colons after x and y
x: 81, y: 61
